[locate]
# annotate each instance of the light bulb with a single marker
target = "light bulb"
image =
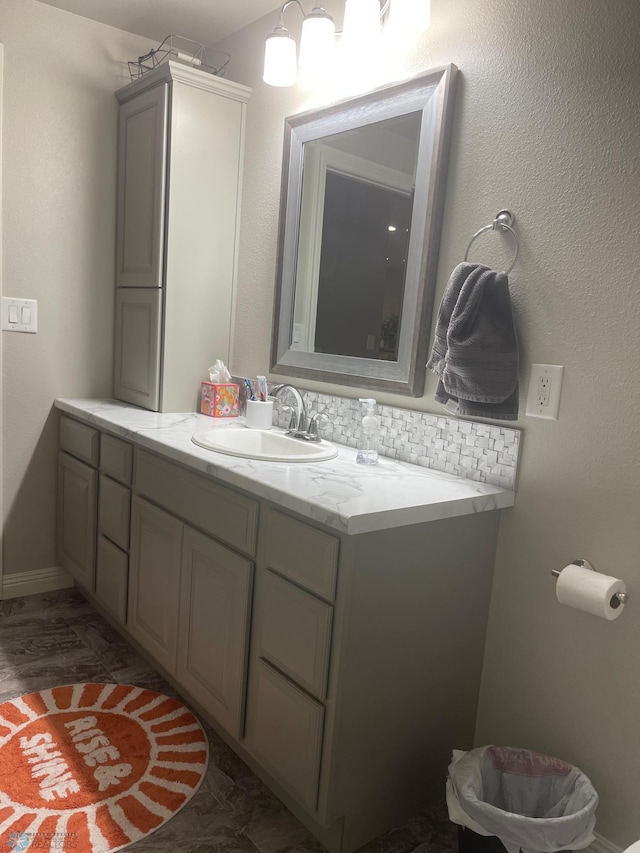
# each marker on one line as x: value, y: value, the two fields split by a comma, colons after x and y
x: 361, y: 21
x: 317, y: 40
x: 280, y: 59
x: 409, y: 18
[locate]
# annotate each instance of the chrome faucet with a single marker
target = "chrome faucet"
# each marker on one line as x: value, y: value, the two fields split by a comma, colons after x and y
x: 301, y: 412
x: 313, y: 423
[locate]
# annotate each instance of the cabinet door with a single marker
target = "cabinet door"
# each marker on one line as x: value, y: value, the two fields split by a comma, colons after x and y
x: 154, y: 581
x: 142, y: 153
x: 77, y: 509
x: 214, y: 627
x: 137, y: 350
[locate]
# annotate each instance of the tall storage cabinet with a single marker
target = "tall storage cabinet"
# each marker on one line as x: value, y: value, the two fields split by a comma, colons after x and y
x: 180, y: 157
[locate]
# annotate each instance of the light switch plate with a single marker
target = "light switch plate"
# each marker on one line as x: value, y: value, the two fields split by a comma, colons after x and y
x: 19, y: 315
x: 545, y: 384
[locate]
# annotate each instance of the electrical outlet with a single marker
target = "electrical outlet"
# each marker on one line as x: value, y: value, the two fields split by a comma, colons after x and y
x: 545, y: 384
x: 543, y: 390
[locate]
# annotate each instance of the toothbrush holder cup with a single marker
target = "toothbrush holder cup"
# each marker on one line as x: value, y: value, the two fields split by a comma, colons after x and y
x: 259, y: 414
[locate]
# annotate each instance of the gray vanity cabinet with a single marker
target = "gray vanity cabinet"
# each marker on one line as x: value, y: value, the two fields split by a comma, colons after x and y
x: 343, y: 668
x: 291, y: 651
x: 365, y: 664
x: 180, y: 155
x: 94, y: 477
x: 189, y: 592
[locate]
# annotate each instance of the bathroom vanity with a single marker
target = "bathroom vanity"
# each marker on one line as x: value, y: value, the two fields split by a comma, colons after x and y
x: 328, y: 618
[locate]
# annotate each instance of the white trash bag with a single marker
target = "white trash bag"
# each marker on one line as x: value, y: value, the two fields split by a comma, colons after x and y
x: 530, y: 801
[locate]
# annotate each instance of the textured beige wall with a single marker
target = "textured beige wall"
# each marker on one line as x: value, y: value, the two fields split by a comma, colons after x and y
x: 59, y: 165
x: 547, y: 124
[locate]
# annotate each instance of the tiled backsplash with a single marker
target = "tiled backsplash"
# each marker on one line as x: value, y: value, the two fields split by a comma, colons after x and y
x: 477, y: 451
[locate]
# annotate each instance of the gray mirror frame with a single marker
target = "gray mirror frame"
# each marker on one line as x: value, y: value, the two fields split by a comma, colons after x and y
x: 432, y: 93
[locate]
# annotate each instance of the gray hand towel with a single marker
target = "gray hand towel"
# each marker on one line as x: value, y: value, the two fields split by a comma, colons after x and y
x: 475, y: 351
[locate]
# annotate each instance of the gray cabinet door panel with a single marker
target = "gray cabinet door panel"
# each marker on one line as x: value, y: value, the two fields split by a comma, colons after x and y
x: 137, y: 347
x: 214, y: 627
x: 77, y: 508
x: 142, y: 155
x: 154, y: 581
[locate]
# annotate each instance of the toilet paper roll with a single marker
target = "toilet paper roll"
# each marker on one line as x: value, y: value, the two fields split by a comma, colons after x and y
x: 590, y: 591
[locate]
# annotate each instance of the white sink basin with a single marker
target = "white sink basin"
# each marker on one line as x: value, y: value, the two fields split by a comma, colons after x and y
x: 264, y: 444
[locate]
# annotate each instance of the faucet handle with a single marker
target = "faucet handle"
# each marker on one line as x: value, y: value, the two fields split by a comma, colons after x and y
x: 313, y: 422
x: 289, y: 410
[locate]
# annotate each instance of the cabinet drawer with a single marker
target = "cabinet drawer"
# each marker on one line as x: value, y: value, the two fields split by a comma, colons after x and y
x: 80, y: 440
x: 295, y: 633
x: 284, y: 732
x: 112, y: 578
x: 300, y: 552
x: 114, y: 511
x: 227, y: 515
x: 116, y: 459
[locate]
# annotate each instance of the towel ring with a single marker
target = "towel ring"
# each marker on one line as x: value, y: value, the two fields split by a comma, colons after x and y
x: 503, y: 222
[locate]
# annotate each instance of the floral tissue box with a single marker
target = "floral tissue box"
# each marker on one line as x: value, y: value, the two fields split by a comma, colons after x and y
x: 219, y: 401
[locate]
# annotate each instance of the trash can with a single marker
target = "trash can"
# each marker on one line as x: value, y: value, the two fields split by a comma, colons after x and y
x: 520, y: 799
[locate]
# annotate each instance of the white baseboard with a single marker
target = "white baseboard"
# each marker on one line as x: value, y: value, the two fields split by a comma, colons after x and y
x: 40, y: 580
x: 603, y: 845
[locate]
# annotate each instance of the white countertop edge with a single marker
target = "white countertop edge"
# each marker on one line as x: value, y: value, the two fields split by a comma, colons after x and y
x: 338, y: 493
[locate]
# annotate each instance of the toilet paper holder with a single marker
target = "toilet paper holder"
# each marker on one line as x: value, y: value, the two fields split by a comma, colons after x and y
x: 619, y: 597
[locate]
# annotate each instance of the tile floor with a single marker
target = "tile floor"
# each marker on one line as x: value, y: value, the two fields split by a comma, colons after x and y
x: 58, y: 638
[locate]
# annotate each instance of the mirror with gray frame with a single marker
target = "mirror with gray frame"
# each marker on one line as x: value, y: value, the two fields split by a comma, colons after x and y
x: 360, y: 216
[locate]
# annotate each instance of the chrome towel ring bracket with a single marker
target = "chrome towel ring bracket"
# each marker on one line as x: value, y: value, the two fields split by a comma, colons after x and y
x: 503, y: 221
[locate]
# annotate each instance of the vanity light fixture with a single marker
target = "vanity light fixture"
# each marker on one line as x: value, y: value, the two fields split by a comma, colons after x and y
x: 363, y: 21
x: 316, y: 42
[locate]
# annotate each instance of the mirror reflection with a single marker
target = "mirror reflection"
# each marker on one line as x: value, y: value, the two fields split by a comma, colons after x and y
x: 357, y: 198
x: 361, y: 207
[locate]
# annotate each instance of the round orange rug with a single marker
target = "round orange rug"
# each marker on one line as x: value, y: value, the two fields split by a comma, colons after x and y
x: 91, y: 768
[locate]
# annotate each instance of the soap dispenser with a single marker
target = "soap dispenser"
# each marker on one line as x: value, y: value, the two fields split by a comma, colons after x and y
x: 368, y: 439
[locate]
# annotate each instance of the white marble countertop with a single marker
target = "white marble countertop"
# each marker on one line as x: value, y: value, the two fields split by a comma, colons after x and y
x: 340, y: 493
